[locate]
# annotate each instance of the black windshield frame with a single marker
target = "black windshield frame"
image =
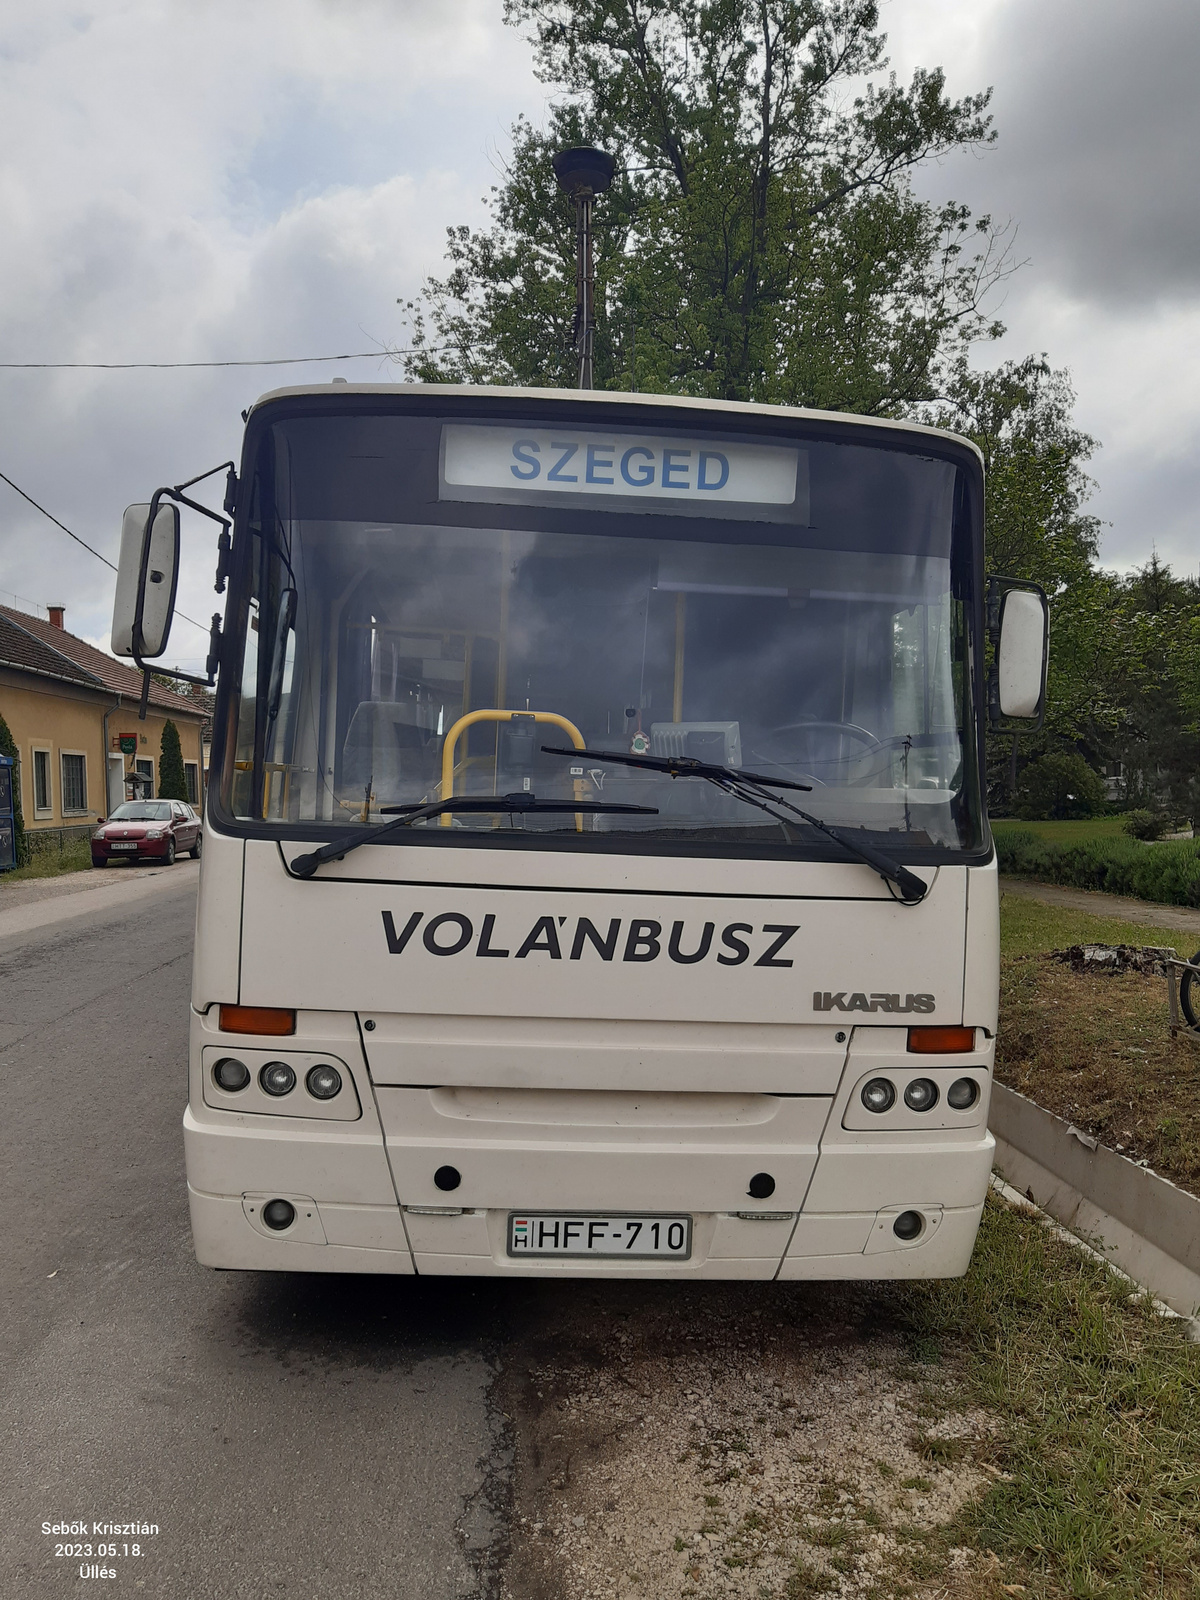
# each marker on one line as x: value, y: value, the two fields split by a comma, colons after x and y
x: 573, y: 410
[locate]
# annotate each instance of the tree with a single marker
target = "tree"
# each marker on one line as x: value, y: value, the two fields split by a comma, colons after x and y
x: 1060, y: 784
x: 761, y: 240
x: 1038, y: 528
x: 172, y: 780
x: 8, y: 747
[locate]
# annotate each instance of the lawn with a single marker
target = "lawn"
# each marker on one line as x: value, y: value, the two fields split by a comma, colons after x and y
x: 1064, y: 832
x: 1095, y: 1453
x: 1094, y: 1048
x: 74, y: 856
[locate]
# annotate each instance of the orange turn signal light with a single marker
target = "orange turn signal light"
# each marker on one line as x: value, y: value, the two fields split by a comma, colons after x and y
x: 940, y: 1041
x: 258, y: 1019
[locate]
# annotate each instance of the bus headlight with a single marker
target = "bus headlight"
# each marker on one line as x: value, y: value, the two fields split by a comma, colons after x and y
x: 323, y: 1082
x: 277, y: 1078
x: 230, y: 1074
x: 879, y: 1095
x: 921, y: 1094
x: 962, y: 1094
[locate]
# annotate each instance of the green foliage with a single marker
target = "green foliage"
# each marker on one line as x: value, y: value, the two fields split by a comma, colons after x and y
x: 1099, y: 1438
x: 1144, y: 824
x: 761, y: 240
x: 1167, y: 873
x: 172, y: 781
x: 8, y: 747
x: 1059, y: 784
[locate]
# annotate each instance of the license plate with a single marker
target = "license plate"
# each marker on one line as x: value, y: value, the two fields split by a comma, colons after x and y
x: 538, y: 1233
x: 130, y: 844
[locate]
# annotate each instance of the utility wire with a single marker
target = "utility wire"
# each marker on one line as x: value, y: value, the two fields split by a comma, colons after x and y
x: 127, y: 366
x: 83, y: 542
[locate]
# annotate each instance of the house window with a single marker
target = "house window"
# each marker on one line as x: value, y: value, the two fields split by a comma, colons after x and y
x: 145, y: 770
x: 191, y: 775
x: 74, y: 782
x: 43, y: 798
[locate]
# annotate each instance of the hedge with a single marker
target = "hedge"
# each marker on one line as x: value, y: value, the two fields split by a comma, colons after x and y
x: 1167, y: 873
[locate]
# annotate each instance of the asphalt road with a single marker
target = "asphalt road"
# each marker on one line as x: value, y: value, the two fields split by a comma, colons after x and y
x: 290, y: 1436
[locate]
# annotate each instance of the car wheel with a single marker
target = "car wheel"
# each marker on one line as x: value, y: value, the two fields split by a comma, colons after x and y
x: 170, y: 852
x: 99, y: 861
x: 194, y: 852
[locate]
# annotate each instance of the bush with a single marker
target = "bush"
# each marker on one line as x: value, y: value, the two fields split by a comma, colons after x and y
x: 1166, y: 873
x: 1144, y: 824
x: 172, y: 780
x: 1057, y: 786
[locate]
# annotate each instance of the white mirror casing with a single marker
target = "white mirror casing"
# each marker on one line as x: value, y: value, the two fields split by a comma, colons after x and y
x: 1021, y: 656
x: 162, y: 573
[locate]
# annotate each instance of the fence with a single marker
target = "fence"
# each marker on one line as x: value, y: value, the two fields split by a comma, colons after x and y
x: 62, y: 841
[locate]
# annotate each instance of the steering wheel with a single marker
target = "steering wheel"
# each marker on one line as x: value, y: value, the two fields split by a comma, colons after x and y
x: 776, y: 740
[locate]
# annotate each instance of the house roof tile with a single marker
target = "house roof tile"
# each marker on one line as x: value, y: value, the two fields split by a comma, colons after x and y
x: 38, y: 646
x: 22, y: 650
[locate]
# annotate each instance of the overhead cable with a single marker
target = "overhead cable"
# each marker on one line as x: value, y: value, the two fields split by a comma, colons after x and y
x: 83, y: 542
x: 129, y: 366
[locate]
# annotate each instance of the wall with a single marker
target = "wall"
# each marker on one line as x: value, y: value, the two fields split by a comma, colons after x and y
x: 43, y: 713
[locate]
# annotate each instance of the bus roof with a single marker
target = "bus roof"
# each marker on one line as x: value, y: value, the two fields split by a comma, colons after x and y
x: 611, y: 396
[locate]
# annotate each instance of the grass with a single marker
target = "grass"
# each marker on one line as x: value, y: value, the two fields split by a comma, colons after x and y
x: 1096, y: 1399
x: 74, y: 856
x: 1028, y: 926
x: 1073, y: 832
x: 1094, y: 1048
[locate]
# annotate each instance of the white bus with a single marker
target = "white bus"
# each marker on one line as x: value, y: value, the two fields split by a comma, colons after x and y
x: 597, y: 877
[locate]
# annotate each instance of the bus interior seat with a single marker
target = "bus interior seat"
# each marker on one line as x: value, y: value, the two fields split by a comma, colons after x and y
x: 385, y: 746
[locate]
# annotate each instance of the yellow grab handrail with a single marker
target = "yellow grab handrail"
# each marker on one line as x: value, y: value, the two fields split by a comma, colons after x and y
x: 471, y: 717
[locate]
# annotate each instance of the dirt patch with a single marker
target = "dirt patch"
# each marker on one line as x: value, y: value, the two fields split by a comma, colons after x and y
x: 1093, y: 1047
x: 740, y: 1440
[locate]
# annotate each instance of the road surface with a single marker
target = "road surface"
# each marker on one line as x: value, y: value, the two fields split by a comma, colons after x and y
x: 297, y: 1437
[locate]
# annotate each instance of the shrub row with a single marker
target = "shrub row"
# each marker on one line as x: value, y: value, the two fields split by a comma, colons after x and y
x: 1167, y: 873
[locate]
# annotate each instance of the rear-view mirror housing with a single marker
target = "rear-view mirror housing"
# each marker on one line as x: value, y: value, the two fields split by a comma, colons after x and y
x: 147, y: 577
x: 1020, y: 618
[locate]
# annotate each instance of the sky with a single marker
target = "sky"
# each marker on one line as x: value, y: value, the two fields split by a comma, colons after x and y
x: 217, y: 180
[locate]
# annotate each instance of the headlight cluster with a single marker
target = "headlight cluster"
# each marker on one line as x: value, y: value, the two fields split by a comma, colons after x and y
x: 920, y: 1094
x: 277, y: 1078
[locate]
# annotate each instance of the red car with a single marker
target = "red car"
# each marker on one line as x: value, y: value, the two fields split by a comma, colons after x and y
x: 147, y: 830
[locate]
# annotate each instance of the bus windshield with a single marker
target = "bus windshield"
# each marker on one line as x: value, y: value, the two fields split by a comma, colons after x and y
x: 427, y: 602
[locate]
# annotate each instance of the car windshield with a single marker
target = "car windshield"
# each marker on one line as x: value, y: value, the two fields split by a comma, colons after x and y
x: 427, y: 603
x: 142, y: 811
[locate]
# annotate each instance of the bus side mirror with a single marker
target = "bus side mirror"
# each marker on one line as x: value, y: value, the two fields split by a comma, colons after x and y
x: 1019, y: 623
x: 147, y: 575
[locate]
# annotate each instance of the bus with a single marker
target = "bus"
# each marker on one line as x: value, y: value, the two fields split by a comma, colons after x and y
x: 596, y: 869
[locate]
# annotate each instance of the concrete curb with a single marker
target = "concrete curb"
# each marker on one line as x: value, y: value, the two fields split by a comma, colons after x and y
x: 1143, y: 1223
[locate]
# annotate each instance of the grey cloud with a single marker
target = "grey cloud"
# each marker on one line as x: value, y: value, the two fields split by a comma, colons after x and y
x: 1097, y: 160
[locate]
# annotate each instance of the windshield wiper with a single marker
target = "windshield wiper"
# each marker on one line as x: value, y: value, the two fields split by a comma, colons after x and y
x: 751, y: 787
x: 304, y: 866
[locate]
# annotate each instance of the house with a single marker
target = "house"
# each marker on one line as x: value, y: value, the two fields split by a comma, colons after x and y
x: 73, y: 713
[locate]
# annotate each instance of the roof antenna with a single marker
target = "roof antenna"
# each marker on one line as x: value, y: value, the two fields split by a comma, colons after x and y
x: 583, y: 173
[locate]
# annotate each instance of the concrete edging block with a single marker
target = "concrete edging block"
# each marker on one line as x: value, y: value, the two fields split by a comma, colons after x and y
x: 1149, y: 1227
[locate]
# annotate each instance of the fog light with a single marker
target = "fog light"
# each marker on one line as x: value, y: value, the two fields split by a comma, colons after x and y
x: 277, y: 1078
x: 878, y: 1095
x: 921, y: 1095
x: 962, y: 1094
x: 280, y: 1214
x: 909, y: 1223
x: 323, y: 1082
x: 761, y: 1186
x: 447, y: 1177
x: 231, y: 1075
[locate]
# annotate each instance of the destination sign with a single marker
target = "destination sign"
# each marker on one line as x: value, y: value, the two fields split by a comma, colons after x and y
x: 704, y: 472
